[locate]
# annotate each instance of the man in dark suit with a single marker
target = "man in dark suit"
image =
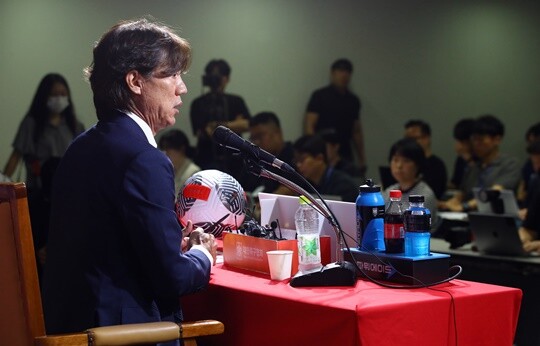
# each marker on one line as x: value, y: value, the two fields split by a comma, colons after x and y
x: 114, y: 253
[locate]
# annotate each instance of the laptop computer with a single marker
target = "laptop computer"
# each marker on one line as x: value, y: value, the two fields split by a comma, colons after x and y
x: 496, y: 201
x: 496, y: 234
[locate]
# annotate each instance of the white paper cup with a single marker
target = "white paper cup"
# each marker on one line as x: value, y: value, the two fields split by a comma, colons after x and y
x: 280, y: 263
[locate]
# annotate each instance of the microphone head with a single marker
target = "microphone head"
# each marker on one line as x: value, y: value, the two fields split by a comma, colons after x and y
x: 226, y: 138
x: 221, y: 134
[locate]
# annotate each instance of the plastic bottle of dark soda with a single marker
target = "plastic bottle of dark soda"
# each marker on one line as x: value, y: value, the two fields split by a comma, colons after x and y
x: 393, y: 224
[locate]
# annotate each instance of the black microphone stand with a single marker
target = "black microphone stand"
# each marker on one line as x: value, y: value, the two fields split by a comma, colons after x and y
x: 339, y: 273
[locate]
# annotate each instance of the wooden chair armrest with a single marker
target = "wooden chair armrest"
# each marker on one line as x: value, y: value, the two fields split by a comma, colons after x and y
x: 135, y: 334
x: 201, y: 328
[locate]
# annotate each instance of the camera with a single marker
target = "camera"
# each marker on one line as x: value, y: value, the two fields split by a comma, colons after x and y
x: 211, y: 80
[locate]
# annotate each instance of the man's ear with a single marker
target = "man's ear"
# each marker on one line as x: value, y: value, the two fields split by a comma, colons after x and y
x: 135, y: 81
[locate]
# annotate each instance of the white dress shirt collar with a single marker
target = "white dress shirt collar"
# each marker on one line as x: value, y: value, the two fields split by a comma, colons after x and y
x: 144, y: 127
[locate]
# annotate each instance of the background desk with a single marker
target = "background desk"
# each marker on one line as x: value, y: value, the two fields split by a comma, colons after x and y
x: 519, y: 272
x: 258, y: 311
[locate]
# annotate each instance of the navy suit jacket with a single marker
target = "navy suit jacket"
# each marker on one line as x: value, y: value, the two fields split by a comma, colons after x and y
x: 113, y: 255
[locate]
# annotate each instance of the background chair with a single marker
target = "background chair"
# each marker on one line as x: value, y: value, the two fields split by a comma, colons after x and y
x: 21, y: 315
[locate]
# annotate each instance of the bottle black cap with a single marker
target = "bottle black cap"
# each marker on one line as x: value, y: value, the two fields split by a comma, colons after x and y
x: 369, y: 186
x: 416, y: 198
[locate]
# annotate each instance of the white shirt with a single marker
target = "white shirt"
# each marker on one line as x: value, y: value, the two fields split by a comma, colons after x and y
x: 144, y: 127
x: 150, y: 137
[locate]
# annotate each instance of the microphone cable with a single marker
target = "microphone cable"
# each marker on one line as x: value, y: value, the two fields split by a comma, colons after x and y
x: 334, y: 222
x: 332, y: 218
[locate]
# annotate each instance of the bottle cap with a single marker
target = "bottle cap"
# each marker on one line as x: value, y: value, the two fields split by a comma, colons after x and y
x: 416, y: 198
x: 395, y: 193
x: 369, y: 187
x: 303, y: 200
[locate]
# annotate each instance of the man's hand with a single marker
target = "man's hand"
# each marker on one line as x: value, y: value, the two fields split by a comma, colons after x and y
x: 530, y: 246
x: 197, y: 236
x: 207, y: 240
x: 185, y: 236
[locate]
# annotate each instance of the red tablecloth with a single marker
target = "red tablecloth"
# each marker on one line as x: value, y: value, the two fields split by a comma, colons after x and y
x: 258, y: 311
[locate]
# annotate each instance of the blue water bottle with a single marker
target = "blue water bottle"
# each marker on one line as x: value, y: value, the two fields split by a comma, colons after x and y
x: 417, y: 224
x: 370, y: 217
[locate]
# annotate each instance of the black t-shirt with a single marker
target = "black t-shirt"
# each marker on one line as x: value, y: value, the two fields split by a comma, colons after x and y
x: 216, y: 107
x: 532, y: 220
x: 527, y: 172
x: 249, y: 181
x: 435, y: 175
x: 348, y: 167
x: 460, y: 166
x: 336, y: 111
x: 337, y: 183
x: 219, y: 108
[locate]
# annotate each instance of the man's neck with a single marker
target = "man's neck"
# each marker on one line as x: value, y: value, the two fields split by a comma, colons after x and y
x: 486, y: 161
x: 340, y: 89
x: 319, y: 175
x: 334, y: 161
x: 178, y: 163
x: 406, y: 186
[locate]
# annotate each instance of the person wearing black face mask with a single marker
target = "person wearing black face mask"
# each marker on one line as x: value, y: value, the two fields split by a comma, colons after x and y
x: 43, y: 136
x: 216, y: 108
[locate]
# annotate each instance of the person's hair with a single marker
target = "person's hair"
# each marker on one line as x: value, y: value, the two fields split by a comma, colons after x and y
x: 264, y: 118
x: 175, y: 139
x: 488, y: 125
x: 463, y: 129
x: 534, y: 147
x: 424, y: 126
x: 139, y: 45
x: 534, y: 131
x: 222, y: 67
x: 410, y: 149
x: 311, y: 144
x: 38, y: 108
x: 342, y: 64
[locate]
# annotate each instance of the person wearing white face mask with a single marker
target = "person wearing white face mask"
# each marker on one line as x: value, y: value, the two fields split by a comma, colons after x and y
x: 43, y: 136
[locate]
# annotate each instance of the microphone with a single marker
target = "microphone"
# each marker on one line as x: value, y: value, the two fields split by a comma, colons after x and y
x: 227, y: 138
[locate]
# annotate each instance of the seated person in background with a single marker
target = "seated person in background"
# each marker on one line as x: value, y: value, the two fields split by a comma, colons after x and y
x: 265, y: 132
x: 176, y: 146
x: 463, y: 148
x: 529, y: 231
x: 534, y: 158
x: 492, y: 170
x: 407, y: 160
x: 334, y: 158
x: 528, y: 171
x: 434, y: 173
x: 310, y: 157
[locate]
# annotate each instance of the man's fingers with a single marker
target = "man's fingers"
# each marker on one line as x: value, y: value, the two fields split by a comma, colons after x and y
x: 188, y: 229
x: 195, y: 236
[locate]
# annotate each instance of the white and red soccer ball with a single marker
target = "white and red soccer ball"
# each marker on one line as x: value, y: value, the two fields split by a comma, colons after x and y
x: 212, y: 200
